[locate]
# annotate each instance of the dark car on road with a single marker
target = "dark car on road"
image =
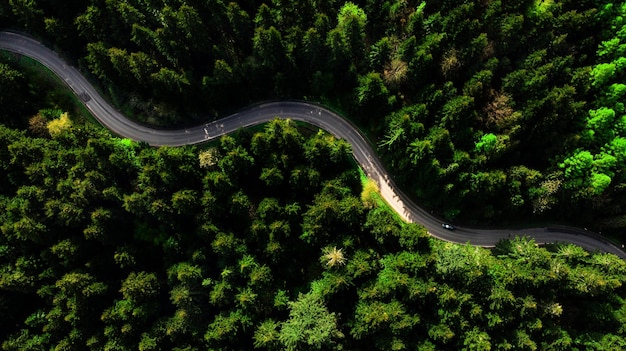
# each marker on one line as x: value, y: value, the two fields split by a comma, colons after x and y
x: 448, y: 226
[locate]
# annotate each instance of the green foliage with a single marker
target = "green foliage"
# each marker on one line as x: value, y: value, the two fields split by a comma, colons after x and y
x: 481, y: 109
x: 13, y: 86
x: 487, y: 143
x: 107, y: 244
x: 266, y: 335
x: 310, y: 325
x: 540, y: 76
x: 351, y: 22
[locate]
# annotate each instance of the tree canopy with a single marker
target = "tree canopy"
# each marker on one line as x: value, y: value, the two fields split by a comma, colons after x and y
x: 266, y: 239
x: 262, y: 240
x: 488, y: 104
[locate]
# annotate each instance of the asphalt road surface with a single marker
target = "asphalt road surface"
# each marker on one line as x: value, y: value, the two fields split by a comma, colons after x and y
x: 300, y: 111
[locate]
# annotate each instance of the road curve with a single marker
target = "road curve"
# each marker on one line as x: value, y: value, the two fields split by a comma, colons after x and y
x: 300, y: 111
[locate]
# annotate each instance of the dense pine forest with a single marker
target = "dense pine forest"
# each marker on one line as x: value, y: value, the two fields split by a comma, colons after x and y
x: 264, y: 240
x: 269, y: 239
x: 485, y: 111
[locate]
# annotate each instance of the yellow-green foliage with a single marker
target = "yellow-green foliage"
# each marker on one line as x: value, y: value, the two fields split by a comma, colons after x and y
x: 57, y: 126
x: 369, y: 195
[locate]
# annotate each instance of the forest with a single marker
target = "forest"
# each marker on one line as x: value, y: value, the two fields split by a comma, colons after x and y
x: 265, y: 240
x: 484, y: 111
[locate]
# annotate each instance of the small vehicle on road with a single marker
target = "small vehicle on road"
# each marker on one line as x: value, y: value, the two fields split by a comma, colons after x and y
x: 84, y: 96
x: 448, y: 226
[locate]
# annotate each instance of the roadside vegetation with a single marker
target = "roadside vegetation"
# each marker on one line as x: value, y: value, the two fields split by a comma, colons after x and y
x: 267, y: 241
x: 484, y: 111
x: 270, y: 239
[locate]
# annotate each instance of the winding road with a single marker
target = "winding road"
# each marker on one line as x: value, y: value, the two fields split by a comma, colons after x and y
x: 300, y: 111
